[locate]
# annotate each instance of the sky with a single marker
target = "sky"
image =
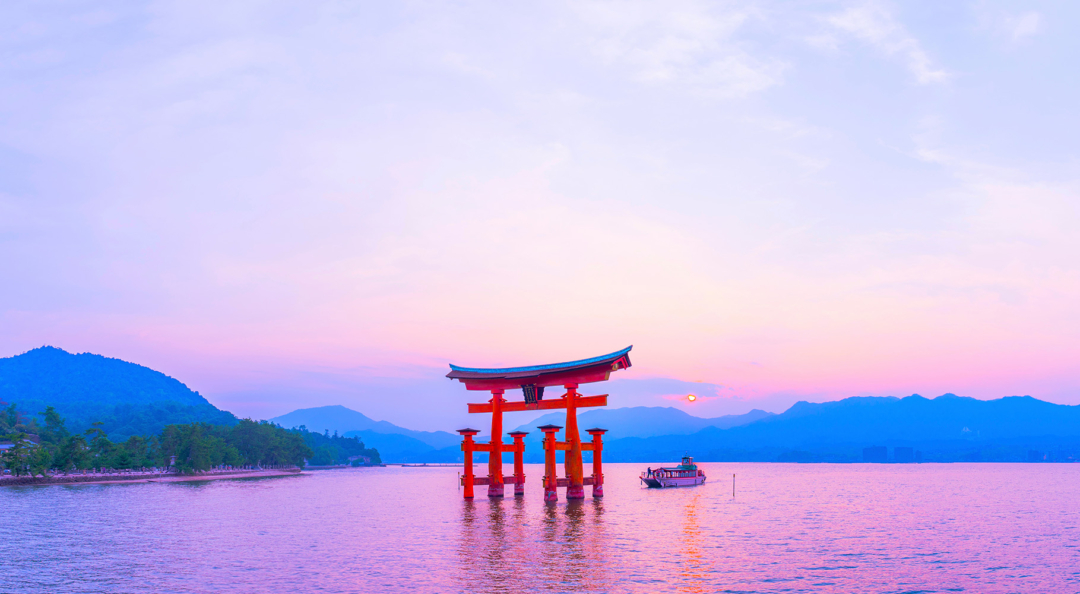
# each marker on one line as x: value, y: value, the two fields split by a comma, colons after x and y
x: 288, y: 205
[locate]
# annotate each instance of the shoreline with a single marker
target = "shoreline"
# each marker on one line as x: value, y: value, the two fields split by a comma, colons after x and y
x: 143, y: 478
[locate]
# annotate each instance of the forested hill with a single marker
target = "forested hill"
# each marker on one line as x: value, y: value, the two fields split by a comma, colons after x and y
x: 60, y: 378
x: 129, y: 398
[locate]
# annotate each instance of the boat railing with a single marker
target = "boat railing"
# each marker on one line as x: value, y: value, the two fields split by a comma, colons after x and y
x: 680, y: 474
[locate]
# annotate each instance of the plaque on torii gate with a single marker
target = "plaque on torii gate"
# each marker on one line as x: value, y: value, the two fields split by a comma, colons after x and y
x: 531, y: 381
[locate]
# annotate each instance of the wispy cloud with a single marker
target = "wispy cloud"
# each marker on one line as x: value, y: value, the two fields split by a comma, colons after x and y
x: 1012, y: 28
x: 692, y: 44
x: 1007, y: 26
x: 1025, y: 25
x: 876, y: 25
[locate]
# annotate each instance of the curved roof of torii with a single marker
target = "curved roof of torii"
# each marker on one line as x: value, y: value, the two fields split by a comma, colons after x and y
x: 526, y: 375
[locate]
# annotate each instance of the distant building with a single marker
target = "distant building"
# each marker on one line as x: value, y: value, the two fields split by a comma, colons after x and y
x: 875, y: 454
x: 29, y: 440
x: 1035, y: 456
x: 903, y: 455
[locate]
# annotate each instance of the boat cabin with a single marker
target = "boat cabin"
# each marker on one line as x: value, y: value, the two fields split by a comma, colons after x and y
x: 685, y: 469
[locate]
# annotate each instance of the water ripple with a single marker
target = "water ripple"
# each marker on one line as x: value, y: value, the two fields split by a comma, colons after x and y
x: 792, y: 528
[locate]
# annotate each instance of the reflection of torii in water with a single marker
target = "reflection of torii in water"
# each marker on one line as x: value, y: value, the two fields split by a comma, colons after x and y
x: 532, y: 380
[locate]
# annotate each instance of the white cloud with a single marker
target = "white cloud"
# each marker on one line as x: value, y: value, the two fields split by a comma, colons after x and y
x: 691, y: 44
x: 823, y: 41
x: 874, y: 24
x: 1022, y: 26
x: 1008, y: 26
x: 1026, y: 25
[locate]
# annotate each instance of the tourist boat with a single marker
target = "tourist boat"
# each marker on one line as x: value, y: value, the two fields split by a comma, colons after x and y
x: 686, y: 474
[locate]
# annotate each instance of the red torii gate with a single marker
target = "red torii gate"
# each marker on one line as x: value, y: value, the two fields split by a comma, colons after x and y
x: 532, y: 380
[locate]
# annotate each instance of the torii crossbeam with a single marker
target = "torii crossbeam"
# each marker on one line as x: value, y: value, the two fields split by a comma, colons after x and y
x: 531, y: 381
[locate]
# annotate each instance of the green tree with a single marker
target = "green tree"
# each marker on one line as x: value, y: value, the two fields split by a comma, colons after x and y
x: 99, y: 445
x: 136, y: 452
x: 121, y: 459
x: 197, y: 446
x: 10, y: 418
x: 54, y: 431
x: 39, y: 460
x: 324, y: 456
x: 336, y: 448
x: 17, y: 457
x: 71, y: 453
x: 194, y: 451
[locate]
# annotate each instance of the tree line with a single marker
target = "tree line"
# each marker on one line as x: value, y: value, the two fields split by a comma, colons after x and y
x: 33, y: 447
x: 335, y: 449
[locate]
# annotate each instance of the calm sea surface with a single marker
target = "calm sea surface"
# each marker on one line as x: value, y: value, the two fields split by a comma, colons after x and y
x: 789, y: 528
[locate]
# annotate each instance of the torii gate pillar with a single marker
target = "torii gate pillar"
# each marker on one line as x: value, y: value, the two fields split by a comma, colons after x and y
x: 551, y: 479
x: 495, y: 475
x: 597, y: 469
x: 575, y: 472
x: 519, y: 462
x: 468, y: 446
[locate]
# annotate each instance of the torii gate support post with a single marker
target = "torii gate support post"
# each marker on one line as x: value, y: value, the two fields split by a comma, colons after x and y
x: 519, y: 462
x: 467, y: 447
x: 495, y: 475
x: 597, y: 468
x: 551, y: 480
x: 575, y: 471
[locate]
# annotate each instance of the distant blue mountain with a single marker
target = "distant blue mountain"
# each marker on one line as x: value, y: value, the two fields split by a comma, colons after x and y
x: 395, y: 447
x: 947, y: 428
x: 645, y: 421
x: 344, y: 420
x: 914, y: 418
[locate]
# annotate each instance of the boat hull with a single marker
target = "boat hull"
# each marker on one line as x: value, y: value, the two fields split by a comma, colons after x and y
x: 665, y: 482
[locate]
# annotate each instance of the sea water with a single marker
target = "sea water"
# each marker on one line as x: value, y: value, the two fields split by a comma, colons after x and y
x: 788, y: 528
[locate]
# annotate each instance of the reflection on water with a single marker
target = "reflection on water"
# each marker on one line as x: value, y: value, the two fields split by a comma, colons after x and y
x: 793, y: 528
x: 693, y: 570
x: 498, y: 546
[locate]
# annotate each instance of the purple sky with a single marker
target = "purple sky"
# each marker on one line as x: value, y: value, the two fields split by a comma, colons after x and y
x: 287, y: 205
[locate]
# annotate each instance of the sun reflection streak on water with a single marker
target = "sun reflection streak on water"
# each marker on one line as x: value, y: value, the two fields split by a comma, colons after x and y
x: 695, y: 568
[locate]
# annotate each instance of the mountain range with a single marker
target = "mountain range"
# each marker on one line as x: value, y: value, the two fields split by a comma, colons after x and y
x: 646, y: 421
x: 395, y: 444
x: 398, y: 444
x: 948, y: 428
x: 134, y: 400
